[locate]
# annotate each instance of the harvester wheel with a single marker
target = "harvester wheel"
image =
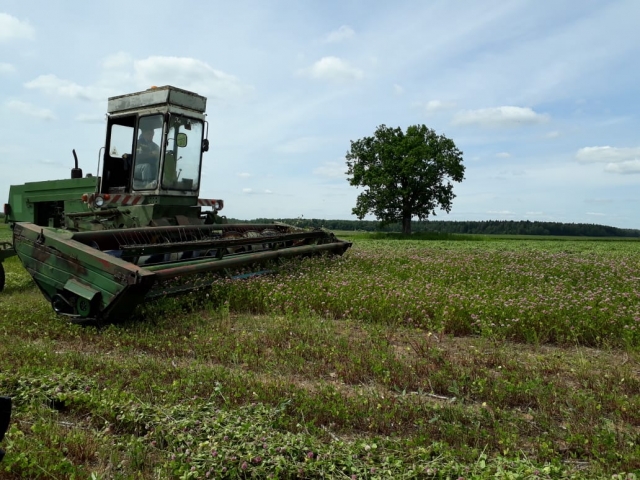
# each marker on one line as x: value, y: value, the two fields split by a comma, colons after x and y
x: 1, y: 277
x: 83, y: 306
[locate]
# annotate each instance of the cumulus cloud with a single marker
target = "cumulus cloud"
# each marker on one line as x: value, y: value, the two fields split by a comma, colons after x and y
x: 503, y: 155
x: 6, y: 68
x: 117, y: 60
x: 52, y: 85
x: 188, y: 73
x: 121, y: 71
x: 623, y: 161
x: 343, y: 33
x: 506, y: 116
x: 501, y: 212
x: 90, y: 118
x: 300, y: 145
x: 438, y: 105
x: 13, y: 29
x: 397, y: 89
x: 331, y: 170
x: 30, y: 110
x: 244, y: 175
x: 631, y: 166
x: 607, y: 154
x: 332, y: 69
x: 251, y: 191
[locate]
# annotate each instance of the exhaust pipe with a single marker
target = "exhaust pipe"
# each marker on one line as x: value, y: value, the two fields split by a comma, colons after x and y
x: 76, y: 172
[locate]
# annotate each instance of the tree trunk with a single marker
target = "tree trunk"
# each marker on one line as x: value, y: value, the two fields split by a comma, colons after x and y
x: 406, y: 224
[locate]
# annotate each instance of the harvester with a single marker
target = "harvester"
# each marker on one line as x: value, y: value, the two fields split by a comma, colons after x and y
x: 98, y: 246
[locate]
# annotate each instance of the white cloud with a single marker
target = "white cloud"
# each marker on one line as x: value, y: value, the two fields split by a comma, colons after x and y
x: 596, y: 214
x: 117, y: 60
x: 535, y: 213
x: 397, y: 89
x: 300, y: 145
x: 123, y: 71
x: 6, y: 68
x: 251, y: 191
x: 511, y: 173
x: 333, y: 69
x: 244, y: 175
x: 554, y: 134
x: 118, y: 73
x: 503, y: 155
x: 438, y: 105
x: 607, y: 154
x: 505, y: 116
x: 30, y: 110
x: 331, y: 170
x: 52, y: 85
x: 188, y: 73
x: 90, y: 118
x: 501, y: 212
x: 630, y: 166
x: 343, y: 33
x: 12, y: 28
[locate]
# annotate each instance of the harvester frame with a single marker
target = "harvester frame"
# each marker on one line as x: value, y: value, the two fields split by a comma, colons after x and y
x: 97, y: 246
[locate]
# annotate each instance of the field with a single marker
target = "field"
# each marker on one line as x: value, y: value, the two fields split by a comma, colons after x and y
x: 441, y: 358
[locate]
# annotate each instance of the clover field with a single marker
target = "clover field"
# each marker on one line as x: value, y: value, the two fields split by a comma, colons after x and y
x: 436, y: 358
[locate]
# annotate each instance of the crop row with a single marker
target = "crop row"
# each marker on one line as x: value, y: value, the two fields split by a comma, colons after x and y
x: 535, y: 292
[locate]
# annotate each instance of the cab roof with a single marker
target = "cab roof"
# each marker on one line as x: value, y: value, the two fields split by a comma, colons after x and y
x: 157, y: 97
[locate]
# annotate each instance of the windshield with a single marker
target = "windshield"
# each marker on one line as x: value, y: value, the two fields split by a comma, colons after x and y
x: 147, y: 158
x: 183, y: 153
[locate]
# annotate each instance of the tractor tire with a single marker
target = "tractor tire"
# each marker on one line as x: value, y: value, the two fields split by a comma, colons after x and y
x: 1, y: 277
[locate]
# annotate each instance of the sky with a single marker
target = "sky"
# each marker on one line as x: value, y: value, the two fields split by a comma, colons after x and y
x: 541, y: 97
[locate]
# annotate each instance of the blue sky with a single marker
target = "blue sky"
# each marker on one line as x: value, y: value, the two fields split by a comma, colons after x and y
x: 541, y: 97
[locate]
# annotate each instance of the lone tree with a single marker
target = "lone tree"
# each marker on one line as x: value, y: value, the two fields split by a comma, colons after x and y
x: 405, y: 175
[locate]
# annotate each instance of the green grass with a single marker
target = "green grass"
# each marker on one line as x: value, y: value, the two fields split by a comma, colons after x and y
x: 403, y: 359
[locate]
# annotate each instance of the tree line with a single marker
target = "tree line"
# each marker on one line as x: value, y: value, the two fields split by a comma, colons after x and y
x: 487, y: 227
x: 484, y: 227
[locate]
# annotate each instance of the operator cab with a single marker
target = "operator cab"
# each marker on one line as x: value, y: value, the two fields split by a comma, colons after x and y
x: 154, y: 145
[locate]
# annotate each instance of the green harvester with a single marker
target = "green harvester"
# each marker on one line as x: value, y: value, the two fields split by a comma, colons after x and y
x: 98, y: 246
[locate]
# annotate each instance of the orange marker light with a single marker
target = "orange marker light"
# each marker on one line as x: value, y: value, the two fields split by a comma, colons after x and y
x: 85, y: 197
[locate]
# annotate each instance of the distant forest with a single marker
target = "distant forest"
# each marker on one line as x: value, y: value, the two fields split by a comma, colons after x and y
x: 489, y: 227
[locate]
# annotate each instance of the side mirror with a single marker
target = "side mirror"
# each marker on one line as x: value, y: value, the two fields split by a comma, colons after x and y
x: 181, y: 140
x: 205, y: 145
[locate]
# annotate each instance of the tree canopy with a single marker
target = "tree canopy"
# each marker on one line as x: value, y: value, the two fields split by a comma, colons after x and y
x: 404, y: 175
